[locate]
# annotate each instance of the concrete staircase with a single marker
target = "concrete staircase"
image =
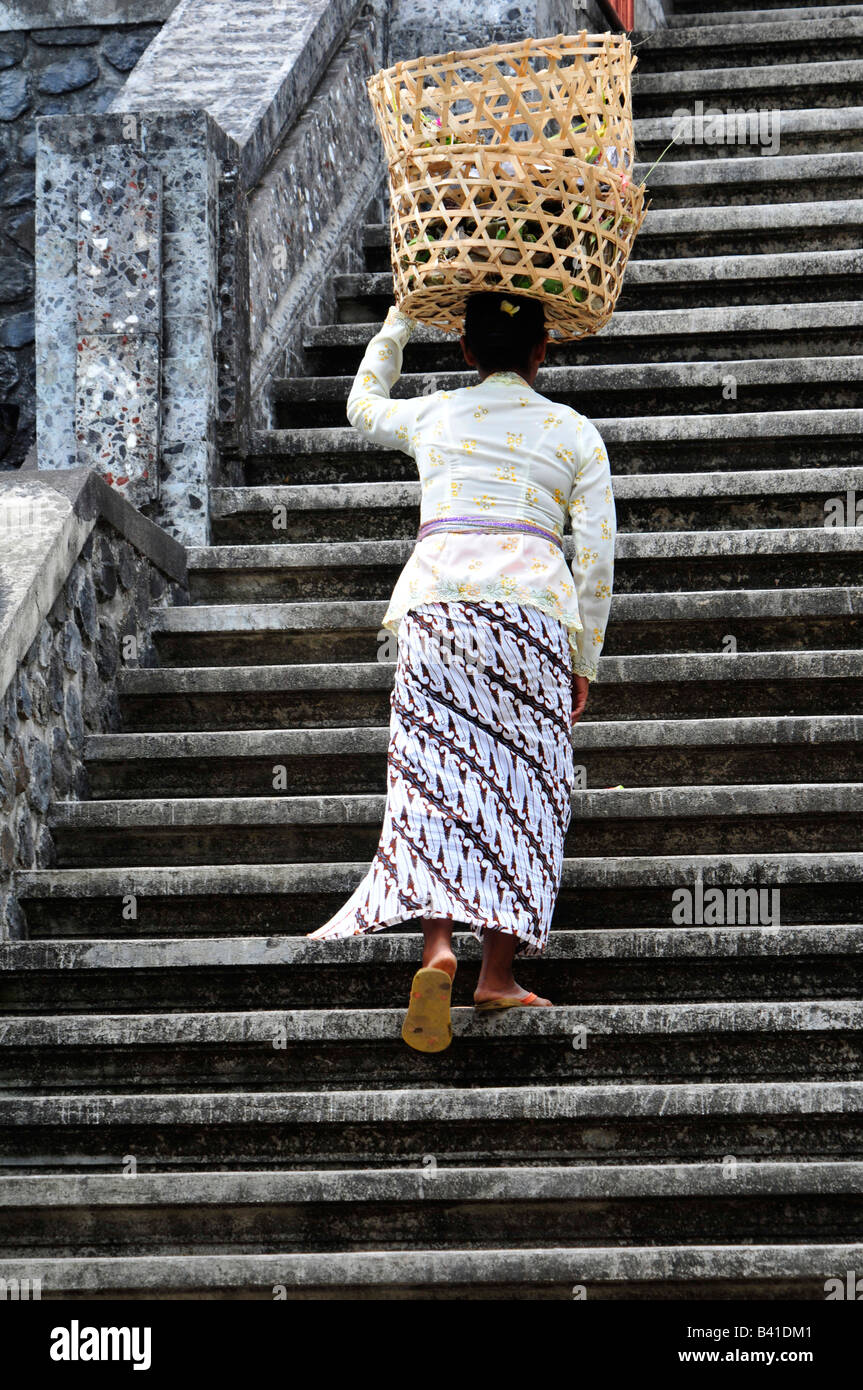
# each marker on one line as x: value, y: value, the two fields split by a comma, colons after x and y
x: 196, y: 1102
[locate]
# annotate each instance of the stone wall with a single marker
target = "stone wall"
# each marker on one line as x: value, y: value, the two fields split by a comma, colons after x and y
x: 305, y: 213
x: 59, y: 68
x: 98, y: 622
x: 438, y: 26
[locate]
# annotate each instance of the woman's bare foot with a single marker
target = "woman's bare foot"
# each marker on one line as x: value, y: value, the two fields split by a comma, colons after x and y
x: 496, y: 980
x: 437, y: 946
x: 511, y: 991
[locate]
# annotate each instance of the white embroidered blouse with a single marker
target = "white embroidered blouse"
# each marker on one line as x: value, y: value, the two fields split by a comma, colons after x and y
x: 496, y: 450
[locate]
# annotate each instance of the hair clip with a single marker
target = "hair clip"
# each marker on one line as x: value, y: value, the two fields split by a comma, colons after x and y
x: 508, y: 308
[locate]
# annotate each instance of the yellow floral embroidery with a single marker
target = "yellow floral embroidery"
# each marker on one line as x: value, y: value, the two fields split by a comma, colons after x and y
x: 586, y: 557
x: 564, y: 454
x: 455, y: 488
x: 539, y: 566
x: 469, y: 445
x: 531, y: 496
x: 602, y: 591
x: 559, y: 497
x: 402, y: 433
x: 506, y: 473
x: 609, y: 496
x: 598, y: 636
x: 510, y: 543
x: 385, y: 352
x: 514, y: 440
x: 577, y: 505
x: 484, y: 502
x: 605, y: 530
x: 480, y: 411
x: 436, y: 458
x: 550, y: 422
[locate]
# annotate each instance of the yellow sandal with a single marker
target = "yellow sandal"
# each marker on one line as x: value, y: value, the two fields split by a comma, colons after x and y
x: 427, y: 1026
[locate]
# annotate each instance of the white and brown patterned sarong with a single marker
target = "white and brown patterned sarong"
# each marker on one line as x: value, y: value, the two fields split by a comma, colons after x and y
x: 479, y: 775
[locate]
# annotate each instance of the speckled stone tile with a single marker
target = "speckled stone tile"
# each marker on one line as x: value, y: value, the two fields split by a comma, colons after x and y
x: 119, y: 246
x: 117, y: 410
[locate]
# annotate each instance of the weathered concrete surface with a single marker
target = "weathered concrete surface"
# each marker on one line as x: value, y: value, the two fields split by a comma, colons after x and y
x: 256, y: 78
x: 186, y: 150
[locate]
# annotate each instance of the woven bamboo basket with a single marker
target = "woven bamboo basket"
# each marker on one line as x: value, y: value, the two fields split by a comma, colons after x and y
x: 510, y: 169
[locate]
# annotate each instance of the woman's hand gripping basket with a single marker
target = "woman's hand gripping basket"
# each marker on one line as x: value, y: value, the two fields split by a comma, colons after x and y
x: 510, y: 168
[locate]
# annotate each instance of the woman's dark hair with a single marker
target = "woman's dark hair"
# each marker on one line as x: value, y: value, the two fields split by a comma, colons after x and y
x: 502, y: 330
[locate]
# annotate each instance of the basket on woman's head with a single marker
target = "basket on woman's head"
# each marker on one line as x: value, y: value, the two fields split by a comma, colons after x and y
x: 510, y: 170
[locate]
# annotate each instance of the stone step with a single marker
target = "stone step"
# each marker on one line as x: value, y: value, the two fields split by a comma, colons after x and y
x: 638, y: 430
x: 603, y: 966
x: 635, y: 752
x: 644, y: 502
x: 485, y: 1126
x: 349, y: 630
x: 801, y: 817
x: 782, y: 85
x: 701, y: 12
x: 639, y: 388
x: 278, y: 899
x: 756, y: 228
x: 798, y: 178
x: 655, y: 561
x: 444, y: 1208
x: 809, y: 39
x: 689, y: 282
x: 549, y: 1273
x: 317, y: 1050
x: 716, y: 334
x: 827, y: 130
x: 332, y: 694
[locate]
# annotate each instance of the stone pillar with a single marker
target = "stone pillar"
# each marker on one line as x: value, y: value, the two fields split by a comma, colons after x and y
x: 127, y: 254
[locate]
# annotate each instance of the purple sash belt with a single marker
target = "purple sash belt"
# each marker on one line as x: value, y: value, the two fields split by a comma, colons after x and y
x: 450, y: 523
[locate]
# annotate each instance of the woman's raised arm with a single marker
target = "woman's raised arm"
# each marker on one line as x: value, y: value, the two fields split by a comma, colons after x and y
x: 370, y: 410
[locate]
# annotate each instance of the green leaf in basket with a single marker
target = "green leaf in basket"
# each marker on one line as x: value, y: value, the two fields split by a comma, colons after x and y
x: 592, y: 154
x: 579, y: 295
x: 522, y: 282
x: 553, y: 286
